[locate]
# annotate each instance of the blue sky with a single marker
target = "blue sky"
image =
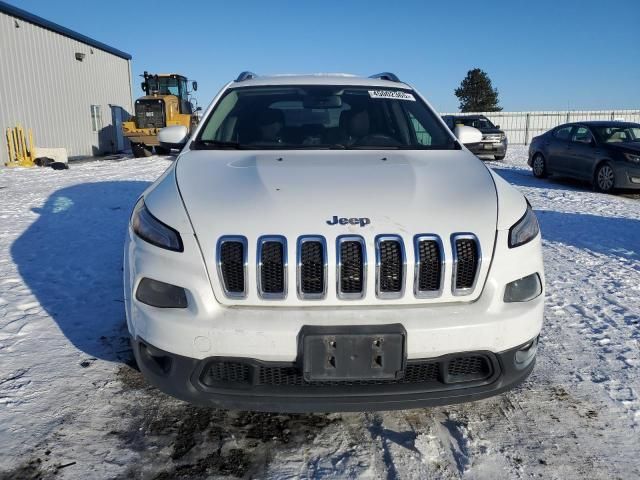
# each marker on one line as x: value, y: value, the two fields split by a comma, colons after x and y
x: 542, y: 55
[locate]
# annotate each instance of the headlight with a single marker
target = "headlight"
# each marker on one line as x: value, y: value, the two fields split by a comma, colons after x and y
x: 152, y: 230
x: 524, y: 230
x: 632, y: 158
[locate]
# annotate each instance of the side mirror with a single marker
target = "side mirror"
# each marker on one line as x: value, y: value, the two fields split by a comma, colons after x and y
x: 498, y: 126
x: 143, y: 86
x: 175, y: 136
x: 194, y: 85
x: 467, y: 135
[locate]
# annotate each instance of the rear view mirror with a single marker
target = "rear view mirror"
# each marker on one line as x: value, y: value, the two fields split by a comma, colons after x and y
x: 467, y: 135
x: 194, y: 85
x: 175, y: 136
x: 322, y: 102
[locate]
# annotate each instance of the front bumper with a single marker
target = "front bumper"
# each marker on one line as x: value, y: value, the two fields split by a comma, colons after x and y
x: 489, y: 148
x: 627, y: 177
x: 249, y: 384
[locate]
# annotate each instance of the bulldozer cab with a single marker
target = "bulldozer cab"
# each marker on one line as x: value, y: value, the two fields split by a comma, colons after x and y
x: 171, y: 84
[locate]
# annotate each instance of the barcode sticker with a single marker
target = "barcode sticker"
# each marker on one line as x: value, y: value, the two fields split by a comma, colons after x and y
x: 392, y: 94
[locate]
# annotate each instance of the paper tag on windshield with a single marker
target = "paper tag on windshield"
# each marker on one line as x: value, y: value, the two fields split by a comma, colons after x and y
x: 392, y: 94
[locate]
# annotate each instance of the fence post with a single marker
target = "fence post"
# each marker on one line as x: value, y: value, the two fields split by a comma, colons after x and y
x: 526, y: 129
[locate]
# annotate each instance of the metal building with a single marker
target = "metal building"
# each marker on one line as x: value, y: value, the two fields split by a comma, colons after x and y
x: 71, y: 90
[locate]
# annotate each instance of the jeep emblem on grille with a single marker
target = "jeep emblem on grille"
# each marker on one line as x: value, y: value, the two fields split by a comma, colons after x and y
x: 362, y: 221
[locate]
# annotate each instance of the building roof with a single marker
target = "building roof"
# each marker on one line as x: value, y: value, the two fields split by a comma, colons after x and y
x: 54, y: 27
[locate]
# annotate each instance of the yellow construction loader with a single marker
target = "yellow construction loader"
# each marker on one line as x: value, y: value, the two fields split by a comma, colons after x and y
x: 166, y: 102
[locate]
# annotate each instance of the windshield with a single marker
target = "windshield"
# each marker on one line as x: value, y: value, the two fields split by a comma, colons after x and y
x: 168, y: 86
x: 317, y: 117
x: 479, y: 123
x: 618, y: 133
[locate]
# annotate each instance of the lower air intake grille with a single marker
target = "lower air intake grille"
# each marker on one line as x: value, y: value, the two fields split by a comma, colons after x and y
x: 272, y: 258
x: 466, y: 266
x: 232, y: 262
x: 466, y: 368
x: 391, y: 266
x: 351, y: 267
x: 312, y: 263
x: 429, y: 266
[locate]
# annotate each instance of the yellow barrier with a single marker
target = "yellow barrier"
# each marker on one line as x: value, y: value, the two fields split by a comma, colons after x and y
x: 20, y: 154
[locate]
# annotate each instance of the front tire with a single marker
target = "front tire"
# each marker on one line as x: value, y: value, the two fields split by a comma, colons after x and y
x: 605, y: 179
x: 140, y: 150
x: 539, y: 166
x: 499, y: 157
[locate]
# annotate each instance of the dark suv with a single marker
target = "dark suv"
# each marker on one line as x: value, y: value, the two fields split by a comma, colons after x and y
x: 494, y: 140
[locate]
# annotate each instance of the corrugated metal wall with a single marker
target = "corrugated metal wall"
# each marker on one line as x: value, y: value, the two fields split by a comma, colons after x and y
x: 44, y: 87
x: 521, y: 127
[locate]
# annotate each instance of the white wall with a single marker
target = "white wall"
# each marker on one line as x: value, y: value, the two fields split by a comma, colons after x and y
x: 521, y: 127
x: 44, y: 87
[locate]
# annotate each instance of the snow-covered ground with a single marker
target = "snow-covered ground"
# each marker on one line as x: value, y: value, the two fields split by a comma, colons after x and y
x: 72, y: 407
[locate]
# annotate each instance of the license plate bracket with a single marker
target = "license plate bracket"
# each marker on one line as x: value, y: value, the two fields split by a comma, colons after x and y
x: 343, y: 353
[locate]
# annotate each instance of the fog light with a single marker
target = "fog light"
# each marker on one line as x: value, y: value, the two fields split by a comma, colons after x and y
x: 526, y: 354
x: 523, y: 289
x: 160, y: 294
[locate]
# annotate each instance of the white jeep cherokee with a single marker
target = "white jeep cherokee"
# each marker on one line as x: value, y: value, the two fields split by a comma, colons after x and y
x: 325, y: 243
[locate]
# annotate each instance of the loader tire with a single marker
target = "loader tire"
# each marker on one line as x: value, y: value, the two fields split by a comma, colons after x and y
x: 140, y: 150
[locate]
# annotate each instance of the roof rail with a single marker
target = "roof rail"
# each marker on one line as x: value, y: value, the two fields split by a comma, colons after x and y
x: 391, y: 77
x: 245, y: 76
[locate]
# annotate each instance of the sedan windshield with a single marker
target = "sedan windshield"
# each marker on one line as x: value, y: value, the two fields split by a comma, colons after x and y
x: 618, y: 133
x: 322, y: 117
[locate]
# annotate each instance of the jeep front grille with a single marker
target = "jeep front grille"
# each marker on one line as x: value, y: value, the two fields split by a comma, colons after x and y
x: 232, y: 265
x: 466, y: 263
x: 429, y: 266
x: 352, y: 267
x: 311, y: 268
x: 390, y: 266
x: 272, y: 267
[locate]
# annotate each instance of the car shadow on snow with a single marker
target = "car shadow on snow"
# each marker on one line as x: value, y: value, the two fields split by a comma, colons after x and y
x: 523, y: 177
x: 71, y: 259
x: 612, y: 236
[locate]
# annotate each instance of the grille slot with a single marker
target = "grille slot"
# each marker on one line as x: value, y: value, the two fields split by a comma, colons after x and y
x: 150, y: 113
x: 390, y: 266
x: 226, y: 372
x: 312, y: 268
x: 272, y: 267
x: 468, y: 368
x: 466, y: 263
x: 429, y: 266
x: 352, y: 267
x: 232, y: 266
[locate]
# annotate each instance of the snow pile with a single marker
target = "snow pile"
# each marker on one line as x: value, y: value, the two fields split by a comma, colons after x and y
x: 71, y: 405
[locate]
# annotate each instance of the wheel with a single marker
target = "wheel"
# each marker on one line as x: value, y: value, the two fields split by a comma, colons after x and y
x: 499, y: 157
x: 539, y: 166
x: 140, y: 150
x: 161, y: 150
x: 605, y: 179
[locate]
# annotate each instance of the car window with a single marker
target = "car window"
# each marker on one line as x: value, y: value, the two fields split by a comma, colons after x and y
x: 563, y: 133
x: 481, y: 123
x: 323, y: 116
x: 618, y: 133
x: 582, y: 135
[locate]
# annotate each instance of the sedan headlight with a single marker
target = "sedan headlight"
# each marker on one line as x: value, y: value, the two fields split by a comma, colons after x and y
x: 152, y: 230
x: 524, y: 230
x: 632, y: 157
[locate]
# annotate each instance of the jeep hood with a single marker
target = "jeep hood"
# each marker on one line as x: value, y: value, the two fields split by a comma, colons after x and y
x: 293, y: 193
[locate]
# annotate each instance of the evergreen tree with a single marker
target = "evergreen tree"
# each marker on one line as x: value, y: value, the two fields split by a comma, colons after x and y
x: 476, y: 94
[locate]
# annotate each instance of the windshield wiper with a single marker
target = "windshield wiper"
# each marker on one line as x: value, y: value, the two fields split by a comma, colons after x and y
x: 214, y: 144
